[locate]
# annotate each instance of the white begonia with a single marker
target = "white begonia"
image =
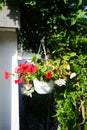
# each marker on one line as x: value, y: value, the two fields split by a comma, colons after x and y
x: 60, y: 82
x: 27, y: 90
x: 72, y: 75
x: 68, y: 67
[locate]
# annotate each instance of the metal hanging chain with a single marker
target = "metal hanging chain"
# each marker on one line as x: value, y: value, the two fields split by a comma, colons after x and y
x: 43, y: 46
x: 39, y: 49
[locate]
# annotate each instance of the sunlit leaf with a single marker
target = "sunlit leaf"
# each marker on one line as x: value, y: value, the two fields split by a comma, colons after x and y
x: 73, y: 21
x: 79, y: 2
x: 63, y: 17
x: 65, y: 1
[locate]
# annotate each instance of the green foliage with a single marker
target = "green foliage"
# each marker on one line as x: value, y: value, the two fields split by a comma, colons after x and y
x: 2, y: 3
x: 64, y: 26
x: 48, y: 19
x: 70, y: 111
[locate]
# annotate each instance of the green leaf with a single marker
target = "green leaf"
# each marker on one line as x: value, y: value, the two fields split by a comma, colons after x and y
x: 72, y: 54
x: 79, y: 2
x: 65, y: 1
x: 63, y: 17
x: 80, y: 14
x: 73, y: 21
x: 66, y: 57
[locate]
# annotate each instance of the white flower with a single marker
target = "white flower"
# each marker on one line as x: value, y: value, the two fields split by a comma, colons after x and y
x: 72, y: 75
x: 68, y: 67
x: 60, y: 82
x: 27, y: 90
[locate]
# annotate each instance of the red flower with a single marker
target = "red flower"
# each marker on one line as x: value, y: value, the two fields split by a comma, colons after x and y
x: 49, y: 75
x: 22, y: 68
x: 32, y: 68
x: 20, y: 80
x: 6, y: 75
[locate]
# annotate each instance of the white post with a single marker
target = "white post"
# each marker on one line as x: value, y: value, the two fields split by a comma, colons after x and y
x: 9, y: 97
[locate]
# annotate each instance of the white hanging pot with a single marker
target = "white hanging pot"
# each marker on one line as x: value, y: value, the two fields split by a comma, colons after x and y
x: 42, y: 87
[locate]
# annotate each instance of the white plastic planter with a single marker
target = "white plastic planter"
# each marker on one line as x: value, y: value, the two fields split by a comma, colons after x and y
x: 42, y: 87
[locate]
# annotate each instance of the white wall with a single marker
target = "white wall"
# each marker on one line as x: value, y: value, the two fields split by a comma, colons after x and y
x: 9, y: 100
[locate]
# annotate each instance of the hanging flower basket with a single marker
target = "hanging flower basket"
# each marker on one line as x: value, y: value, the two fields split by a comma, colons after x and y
x: 42, y: 75
x: 42, y: 87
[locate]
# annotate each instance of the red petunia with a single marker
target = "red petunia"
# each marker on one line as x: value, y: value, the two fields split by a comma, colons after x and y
x: 49, y: 75
x: 22, y: 67
x: 25, y: 67
x: 20, y: 80
x: 6, y: 75
x: 32, y: 68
